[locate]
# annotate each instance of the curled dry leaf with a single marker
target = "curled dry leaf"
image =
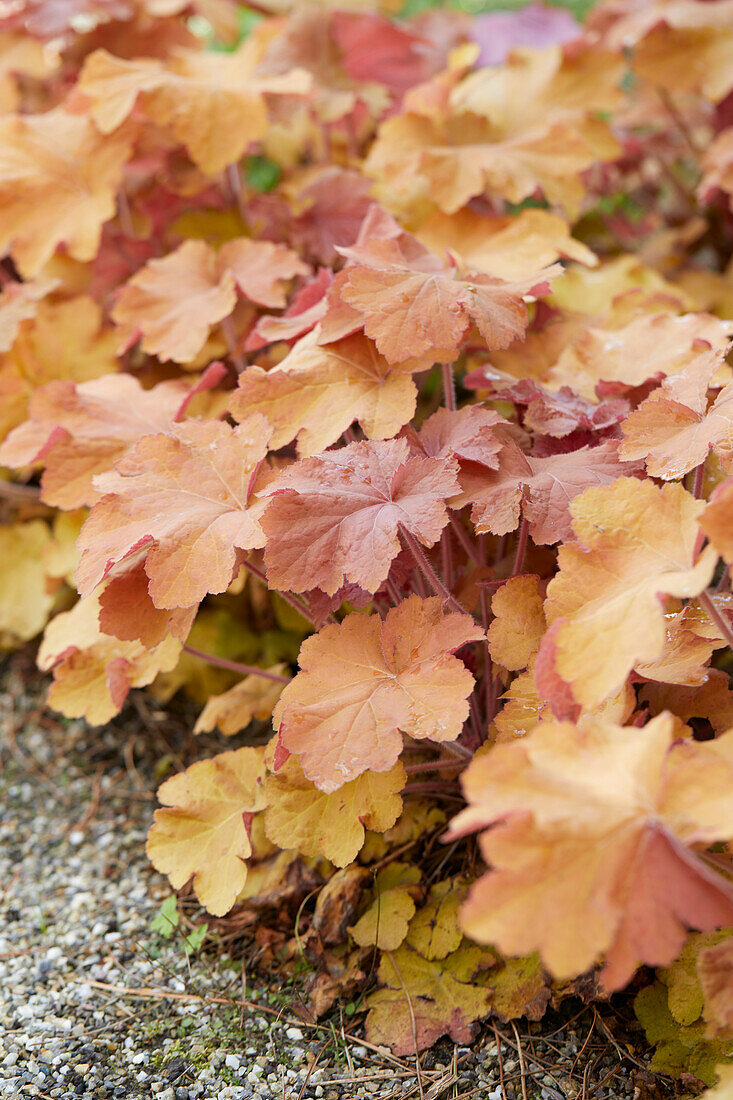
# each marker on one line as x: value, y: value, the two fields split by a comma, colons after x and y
x: 635, y: 543
x: 332, y: 824
x: 365, y: 681
x: 724, y: 1088
x: 715, y: 972
x: 334, y: 518
x: 201, y: 831
x: 602, y: 825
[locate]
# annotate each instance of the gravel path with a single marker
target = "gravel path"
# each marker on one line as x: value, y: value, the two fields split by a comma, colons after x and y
x: 95, y: 1002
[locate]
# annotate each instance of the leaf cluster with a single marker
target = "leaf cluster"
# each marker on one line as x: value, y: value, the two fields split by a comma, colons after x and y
x: 369, y: 377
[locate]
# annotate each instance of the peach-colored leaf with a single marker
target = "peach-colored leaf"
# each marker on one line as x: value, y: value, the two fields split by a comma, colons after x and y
x: 172, y: 303
x: 334, y: 517
x: 58, y: 179
x: 635, y: 542
x: 593, y: 844
x: 78, y: 431
x: 541, y: 489
x: 18, y: 303
x: 411, y: 302
x: 214, y: 103
x: 511, y: 248
x: 365, y: 682
x: 471, y: 434
x: 184, y: 498
x: 717, y: 520
x: 65, y: 340
x: 317, y: 392
x: 673, y: 430
x: 93, y: 672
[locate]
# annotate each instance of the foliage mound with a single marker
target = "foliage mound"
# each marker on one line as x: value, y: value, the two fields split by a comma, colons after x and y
x: 369, y: 375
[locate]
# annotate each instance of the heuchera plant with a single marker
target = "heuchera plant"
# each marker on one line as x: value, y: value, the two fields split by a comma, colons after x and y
x: 375, y: 374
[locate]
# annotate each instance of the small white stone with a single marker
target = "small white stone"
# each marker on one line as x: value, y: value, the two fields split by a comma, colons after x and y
x: 294, y: 1033
x: 76, y: 837
x: 232, y: 1061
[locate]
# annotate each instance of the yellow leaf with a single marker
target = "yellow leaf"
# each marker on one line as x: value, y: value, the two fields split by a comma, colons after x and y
x: 253, y: 697
x: 25, y: 602
x: 423, y: 999
x: 201, y: 831
x: 93, y: 672
x: 434, y: 930
x: 316, y: 823
x: 385, y: 922
x: 519, y: 622
x: 519, y: 987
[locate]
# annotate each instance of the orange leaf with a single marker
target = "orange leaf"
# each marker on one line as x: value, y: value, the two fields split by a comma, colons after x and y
x: 317, y: 392
x: 214, y: 103
x: 635, y: 542
x: 411, y: 302
x: 717, y: 520
x: 673, y: 430
x: 173, y: 302
x: 592, y: 844
x: 364, y: 682
x: 184, y: 498
x: 58, y: 180
x: 519, y: 622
